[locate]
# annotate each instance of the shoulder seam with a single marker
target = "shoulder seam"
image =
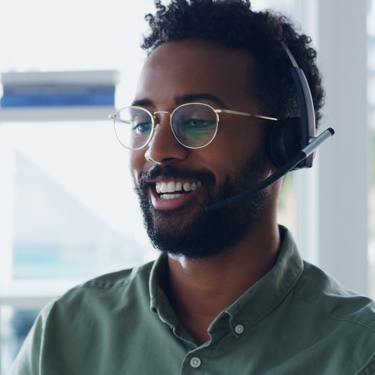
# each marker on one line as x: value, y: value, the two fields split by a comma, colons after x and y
x: 334, y: 317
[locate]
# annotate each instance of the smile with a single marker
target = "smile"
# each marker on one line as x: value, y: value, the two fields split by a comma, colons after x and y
x: 175, y: 189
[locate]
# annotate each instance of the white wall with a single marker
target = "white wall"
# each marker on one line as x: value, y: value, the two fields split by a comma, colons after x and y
x: 344, y: 165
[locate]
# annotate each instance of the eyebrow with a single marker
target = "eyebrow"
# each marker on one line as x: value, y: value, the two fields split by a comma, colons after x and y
x: 183, y: 99
x: 142, y: 103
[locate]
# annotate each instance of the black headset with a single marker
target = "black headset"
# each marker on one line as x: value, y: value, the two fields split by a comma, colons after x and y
x: 288, y: 136
x: 292, y: 141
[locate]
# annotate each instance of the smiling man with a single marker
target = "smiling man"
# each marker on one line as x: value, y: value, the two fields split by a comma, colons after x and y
x: 175, y: 182
x: 229, y: 293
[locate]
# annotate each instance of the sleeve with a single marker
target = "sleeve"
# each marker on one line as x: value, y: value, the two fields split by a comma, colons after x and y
x: 28, y: 359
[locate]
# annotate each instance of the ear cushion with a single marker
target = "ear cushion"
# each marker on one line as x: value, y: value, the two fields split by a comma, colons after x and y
x: 284, y: 140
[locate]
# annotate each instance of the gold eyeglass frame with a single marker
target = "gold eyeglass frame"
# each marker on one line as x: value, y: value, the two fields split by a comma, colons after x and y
x: 154, y: 122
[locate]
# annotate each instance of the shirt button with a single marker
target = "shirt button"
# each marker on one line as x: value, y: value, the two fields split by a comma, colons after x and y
x: 239, y: 328
x: 195, y: 362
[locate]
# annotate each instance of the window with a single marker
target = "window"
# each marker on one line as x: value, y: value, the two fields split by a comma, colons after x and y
x: 67, y: 209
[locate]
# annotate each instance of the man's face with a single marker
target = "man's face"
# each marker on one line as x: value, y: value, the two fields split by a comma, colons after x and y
x: 175, y: 183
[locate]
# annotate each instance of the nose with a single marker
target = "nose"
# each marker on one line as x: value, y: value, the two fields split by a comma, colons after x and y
x: 163, y: 146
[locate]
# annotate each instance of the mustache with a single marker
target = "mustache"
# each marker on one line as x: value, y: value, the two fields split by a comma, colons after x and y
x: 172, y: 171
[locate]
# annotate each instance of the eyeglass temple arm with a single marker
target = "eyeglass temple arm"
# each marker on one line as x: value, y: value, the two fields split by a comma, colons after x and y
x: 112, y: 117
x: 245, y: 114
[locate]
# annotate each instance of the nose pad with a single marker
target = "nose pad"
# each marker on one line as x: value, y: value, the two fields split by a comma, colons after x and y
x: 163, y: 145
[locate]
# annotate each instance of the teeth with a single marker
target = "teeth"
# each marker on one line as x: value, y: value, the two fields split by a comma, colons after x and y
x: 173, y: 186
x: 170, y: 196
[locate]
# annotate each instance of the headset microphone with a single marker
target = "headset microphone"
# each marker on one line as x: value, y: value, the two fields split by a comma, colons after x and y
x: 302, y: 155
x: 291, y: 142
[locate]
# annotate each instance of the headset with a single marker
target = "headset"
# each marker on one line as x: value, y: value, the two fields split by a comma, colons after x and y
x: 291, y: 142
x: 288, y: 136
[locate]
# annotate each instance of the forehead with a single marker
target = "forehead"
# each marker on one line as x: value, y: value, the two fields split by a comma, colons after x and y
x: 195, y: 66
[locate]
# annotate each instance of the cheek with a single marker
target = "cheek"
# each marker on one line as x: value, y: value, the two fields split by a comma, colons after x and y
x: 231, y: 152
x: 136, y: 164
x: 222, y: 162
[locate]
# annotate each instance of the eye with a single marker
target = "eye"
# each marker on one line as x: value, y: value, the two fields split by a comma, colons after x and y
x: 141, y: 128
x: 198, y: 128
x: 141, y: 123
x: 196, y: 123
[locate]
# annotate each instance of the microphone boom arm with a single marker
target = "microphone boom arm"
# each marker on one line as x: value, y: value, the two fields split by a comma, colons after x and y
x: 303, y: 154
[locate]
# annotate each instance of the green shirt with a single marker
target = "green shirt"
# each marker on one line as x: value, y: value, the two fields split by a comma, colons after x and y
x: 295, y: 320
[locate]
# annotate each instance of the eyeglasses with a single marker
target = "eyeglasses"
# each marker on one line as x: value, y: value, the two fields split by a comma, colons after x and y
x: 194, y: 125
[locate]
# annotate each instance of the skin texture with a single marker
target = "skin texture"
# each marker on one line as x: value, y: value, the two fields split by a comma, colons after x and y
x: 200, y: 288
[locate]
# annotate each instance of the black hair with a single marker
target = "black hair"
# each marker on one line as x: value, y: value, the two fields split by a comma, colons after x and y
x: 234, y: 24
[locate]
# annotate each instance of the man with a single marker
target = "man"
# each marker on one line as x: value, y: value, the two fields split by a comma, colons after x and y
x: 229, y: 293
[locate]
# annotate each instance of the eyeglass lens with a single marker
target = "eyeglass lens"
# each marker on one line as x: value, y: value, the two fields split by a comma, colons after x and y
x: 133, y: 127
x: 193, y: 125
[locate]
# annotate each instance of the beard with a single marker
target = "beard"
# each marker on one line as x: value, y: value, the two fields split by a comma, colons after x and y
x: 205, y: 235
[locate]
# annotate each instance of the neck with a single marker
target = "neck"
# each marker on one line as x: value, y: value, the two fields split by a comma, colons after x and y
x: 201, y: 289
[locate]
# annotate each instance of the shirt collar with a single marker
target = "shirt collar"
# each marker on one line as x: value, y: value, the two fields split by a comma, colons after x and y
x: 159, y: 302
x: 269, y: 291
x: 260, y: 299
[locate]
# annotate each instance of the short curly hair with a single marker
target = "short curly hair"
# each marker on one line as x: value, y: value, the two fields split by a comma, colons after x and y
x: 234, y: 24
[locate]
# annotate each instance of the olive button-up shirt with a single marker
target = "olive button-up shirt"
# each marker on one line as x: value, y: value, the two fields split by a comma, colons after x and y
x: 294, y: 320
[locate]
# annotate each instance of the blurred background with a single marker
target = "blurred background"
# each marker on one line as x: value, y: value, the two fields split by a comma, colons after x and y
x: 67, y: 209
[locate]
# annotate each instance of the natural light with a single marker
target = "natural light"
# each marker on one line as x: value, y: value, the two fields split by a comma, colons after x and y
x: 67, y: 206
